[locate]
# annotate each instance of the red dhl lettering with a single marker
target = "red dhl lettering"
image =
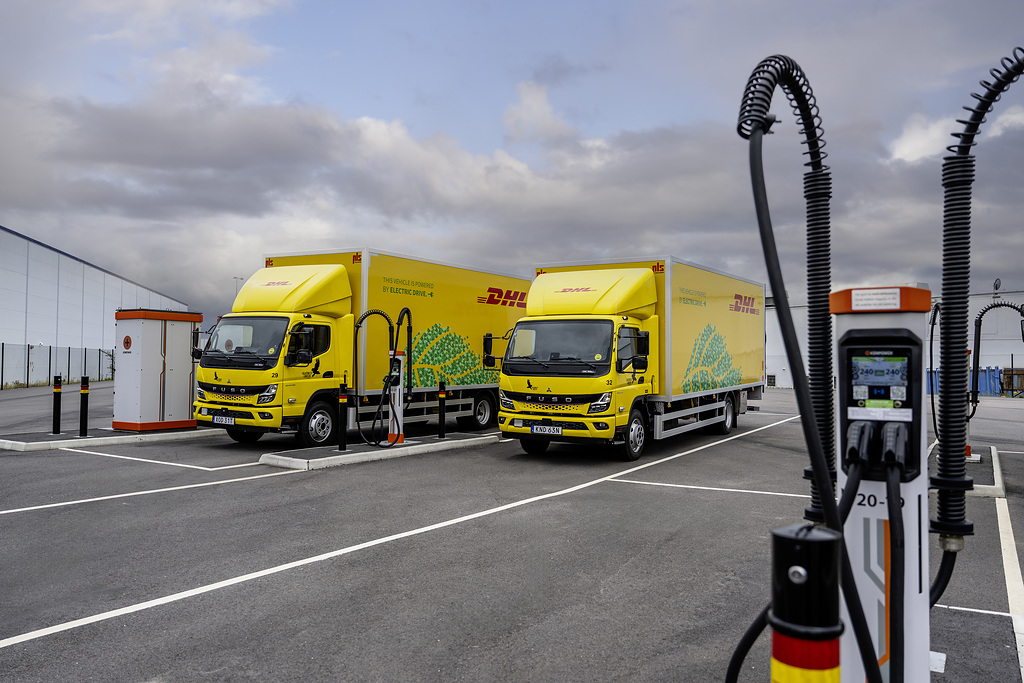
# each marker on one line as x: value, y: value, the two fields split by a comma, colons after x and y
x: 269, y: 263
x: 744, y: 304
x: 658, y: 267
x: 357, y: 258
x: 279, y: 283
x: 573, y: 290
x: 501, y: 297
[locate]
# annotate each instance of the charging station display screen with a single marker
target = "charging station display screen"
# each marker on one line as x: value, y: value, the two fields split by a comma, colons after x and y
x: 880, y: 379
x: 880, y: 385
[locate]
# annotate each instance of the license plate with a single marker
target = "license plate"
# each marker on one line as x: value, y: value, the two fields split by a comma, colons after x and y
x: 545, y: 429
x: 221, y: 420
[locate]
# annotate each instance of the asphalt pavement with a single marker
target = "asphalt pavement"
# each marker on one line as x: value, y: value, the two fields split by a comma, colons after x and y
x: 193, y: 560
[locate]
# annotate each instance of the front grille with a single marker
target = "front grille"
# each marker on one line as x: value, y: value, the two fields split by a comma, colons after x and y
x: 229, y: 398
x: 543, y: 409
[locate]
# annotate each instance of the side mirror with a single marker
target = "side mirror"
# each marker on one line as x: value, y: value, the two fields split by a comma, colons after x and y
x: 488, y: 361
x: 643, y: 345
x: 197, y: 353
x: 300, y: 357
x: 640, y: 364
x: 488, y: 344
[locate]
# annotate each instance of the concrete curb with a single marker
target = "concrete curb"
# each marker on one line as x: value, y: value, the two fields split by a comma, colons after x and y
x: 81, y: 442
x: 413, y: 448
x: 998, y: 488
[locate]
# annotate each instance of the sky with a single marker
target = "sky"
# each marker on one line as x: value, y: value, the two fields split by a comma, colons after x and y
x: 178, y: 142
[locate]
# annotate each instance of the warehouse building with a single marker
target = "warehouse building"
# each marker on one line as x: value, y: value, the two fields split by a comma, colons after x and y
x: 57, y: 313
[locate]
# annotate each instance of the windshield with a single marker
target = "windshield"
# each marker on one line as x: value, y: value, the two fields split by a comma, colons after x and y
x: 246, y: 340
x: 560, y: 347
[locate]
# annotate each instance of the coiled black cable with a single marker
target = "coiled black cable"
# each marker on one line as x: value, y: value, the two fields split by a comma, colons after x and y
x: 782, y: 71
x: 951, y: 478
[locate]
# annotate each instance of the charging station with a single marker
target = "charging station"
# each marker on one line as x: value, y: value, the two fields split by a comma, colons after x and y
x: 882, y: 436
x: 154, y: 380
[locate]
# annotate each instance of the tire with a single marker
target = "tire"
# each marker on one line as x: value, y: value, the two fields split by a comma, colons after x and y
x: 319, y: 425
x: 726, y: 426
x: 483, y: 415
x: 242, y: 436
x: 635, y: 437
x: 534, y: 446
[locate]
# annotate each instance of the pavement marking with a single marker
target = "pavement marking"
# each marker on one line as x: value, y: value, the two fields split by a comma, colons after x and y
x: 183, y: 595
x: 143, y: 493
x: 1014, y: 582
x: 711, y: 488
x: 974, y: 610
x: 159, y: 462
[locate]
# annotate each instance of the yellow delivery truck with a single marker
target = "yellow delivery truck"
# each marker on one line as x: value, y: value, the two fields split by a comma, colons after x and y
x: 625, y: 352
x: 306, y: 324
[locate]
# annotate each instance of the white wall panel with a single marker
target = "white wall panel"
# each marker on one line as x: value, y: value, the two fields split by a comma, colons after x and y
x: 41, y: 319
x: 92, y: 309
x: 69, y: 301
x: 13, y: 286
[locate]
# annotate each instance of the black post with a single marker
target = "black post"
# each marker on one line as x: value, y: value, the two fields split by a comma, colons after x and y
x: 804, y: 613
x: 441, y: 396
x: 56, y: 404
x: 342, y: 415
x: 83, y: 418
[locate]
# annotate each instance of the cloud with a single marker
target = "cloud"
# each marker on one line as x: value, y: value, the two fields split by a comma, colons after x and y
x: 532, y: 118
x: 922, y: 139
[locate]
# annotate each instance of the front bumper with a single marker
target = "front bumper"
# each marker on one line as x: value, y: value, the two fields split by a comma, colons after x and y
x: 566, y: 428
x: 241, y: 416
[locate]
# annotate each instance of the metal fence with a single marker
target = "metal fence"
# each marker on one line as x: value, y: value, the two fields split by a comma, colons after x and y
x: 35, y: 365
x: 989, y: 382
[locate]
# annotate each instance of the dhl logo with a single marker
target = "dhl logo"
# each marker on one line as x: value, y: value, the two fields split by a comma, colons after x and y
x: 658, y: 267
x: 744, y: 304
x: 269, y: 263
x: 573, y: 290
x: 502, y: 297
x: 279, y: 283
x: 357, y: 258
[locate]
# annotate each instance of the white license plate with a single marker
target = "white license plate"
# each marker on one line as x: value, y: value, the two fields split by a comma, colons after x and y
x: 221, y: 420
x: 545, y: 429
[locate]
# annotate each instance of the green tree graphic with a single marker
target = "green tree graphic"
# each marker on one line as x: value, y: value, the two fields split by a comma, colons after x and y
x: 710, y: 365
x: 440, y: 354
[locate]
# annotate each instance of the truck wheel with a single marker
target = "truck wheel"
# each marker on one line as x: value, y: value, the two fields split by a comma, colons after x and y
x: 729, y: 412
x: 242, y: 436
x: 318, y: 425
x: 534, y: 446
x: 483, y: 414
x: 635, y: 436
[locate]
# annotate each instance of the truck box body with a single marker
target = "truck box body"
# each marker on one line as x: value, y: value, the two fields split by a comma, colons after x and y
x: 451, y: 308
x: 705, y: 330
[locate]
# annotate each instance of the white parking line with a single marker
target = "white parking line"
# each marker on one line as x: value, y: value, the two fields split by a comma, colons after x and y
x: 1014, y: 582
x: 711, y: 488
x: 139, y: 607
x: 160, y: 462
x: 144, y: 493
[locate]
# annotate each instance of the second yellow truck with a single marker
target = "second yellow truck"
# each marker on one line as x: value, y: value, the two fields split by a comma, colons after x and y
x: 625, y: 352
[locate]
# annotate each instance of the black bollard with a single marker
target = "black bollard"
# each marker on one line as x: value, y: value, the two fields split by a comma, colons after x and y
x: 342, y: 414
x: 805, y: 603
x: 56, y: 404
x: 441, y: 396
x: 83, y: 418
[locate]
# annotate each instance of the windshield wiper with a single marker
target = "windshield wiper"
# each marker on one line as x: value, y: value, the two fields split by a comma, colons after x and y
x: 517, y: 359
x: 579, y: 360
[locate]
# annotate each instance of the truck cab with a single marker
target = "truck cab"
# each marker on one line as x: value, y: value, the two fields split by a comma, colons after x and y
x: 275, y: 362
x: 578, y: 367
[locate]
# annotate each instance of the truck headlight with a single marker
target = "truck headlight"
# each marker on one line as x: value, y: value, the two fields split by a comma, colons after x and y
x: 200, y: 394
x: 506, y: 403
x: 268, y: 394
x: 601, y: 404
